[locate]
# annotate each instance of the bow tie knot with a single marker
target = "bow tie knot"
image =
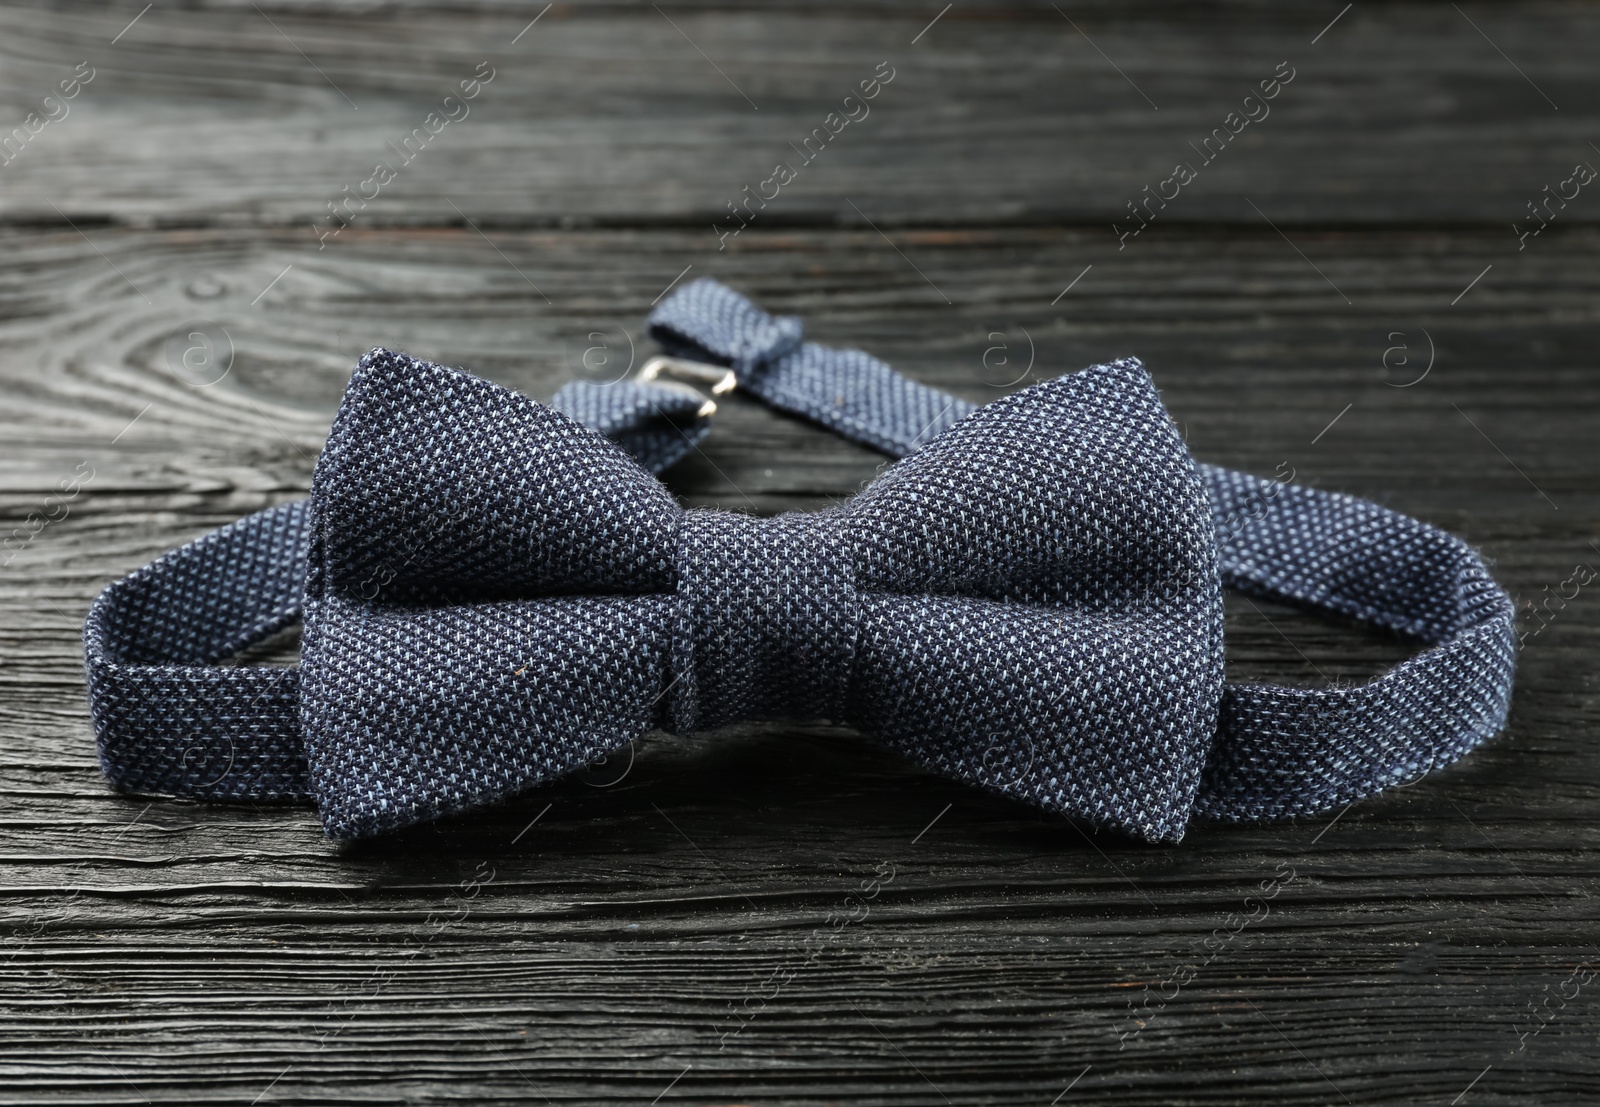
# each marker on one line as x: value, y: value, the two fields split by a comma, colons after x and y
x: 766, y: 623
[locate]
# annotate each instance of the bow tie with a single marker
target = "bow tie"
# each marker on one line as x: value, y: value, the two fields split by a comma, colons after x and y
x: 496, y: 595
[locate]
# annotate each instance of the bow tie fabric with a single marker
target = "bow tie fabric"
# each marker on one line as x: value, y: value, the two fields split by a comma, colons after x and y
x: 498, y: 592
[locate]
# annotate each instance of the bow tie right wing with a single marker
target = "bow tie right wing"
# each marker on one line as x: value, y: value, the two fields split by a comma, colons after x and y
x: 1041, y: 612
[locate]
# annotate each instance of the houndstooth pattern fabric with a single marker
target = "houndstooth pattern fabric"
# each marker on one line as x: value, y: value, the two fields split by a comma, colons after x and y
x: 495, y: 595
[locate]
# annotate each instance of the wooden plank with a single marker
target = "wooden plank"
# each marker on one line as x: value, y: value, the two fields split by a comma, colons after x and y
x: 175, y: 952
x: 1399, y: 115
x: 1256, y: 349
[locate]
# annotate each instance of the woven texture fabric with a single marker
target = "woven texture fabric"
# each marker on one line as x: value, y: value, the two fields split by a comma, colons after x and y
x: 849, y: 392
x: 1282, y: 751
x: 767, y: 616
x: 1279, y: 752
x: 662, y: 424
x: 495, y: 595
x: 953, y: 607
x: 170, y: 719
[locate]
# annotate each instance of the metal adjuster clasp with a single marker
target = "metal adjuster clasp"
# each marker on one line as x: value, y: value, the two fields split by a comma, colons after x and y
x: 675, y: 372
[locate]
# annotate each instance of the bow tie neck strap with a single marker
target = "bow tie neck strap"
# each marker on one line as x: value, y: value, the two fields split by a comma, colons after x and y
x: 170, y: 718
x: 662, y: 425
x: 850, y: 392
x: 1284, y: 752
x: 710, y: 321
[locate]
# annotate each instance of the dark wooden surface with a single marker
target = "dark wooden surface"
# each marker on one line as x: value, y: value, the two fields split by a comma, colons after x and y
x: 591, y: 944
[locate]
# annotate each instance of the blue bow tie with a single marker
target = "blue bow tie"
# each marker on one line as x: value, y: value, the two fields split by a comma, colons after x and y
x: 495, y: 595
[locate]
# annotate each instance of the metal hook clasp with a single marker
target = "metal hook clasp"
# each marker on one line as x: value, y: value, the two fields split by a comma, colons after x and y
x: 719, y: 377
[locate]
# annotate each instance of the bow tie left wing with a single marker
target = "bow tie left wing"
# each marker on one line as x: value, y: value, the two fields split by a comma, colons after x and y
x: 1040, y: 606
x: 435, y: 479
x: 484, y: 607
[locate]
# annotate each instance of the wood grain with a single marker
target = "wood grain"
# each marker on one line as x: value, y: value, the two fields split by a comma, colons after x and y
x: 665, y: 939
x: 209, y: 113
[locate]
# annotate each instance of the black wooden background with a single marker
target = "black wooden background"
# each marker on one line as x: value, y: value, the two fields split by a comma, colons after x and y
x: 1343, y: 291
